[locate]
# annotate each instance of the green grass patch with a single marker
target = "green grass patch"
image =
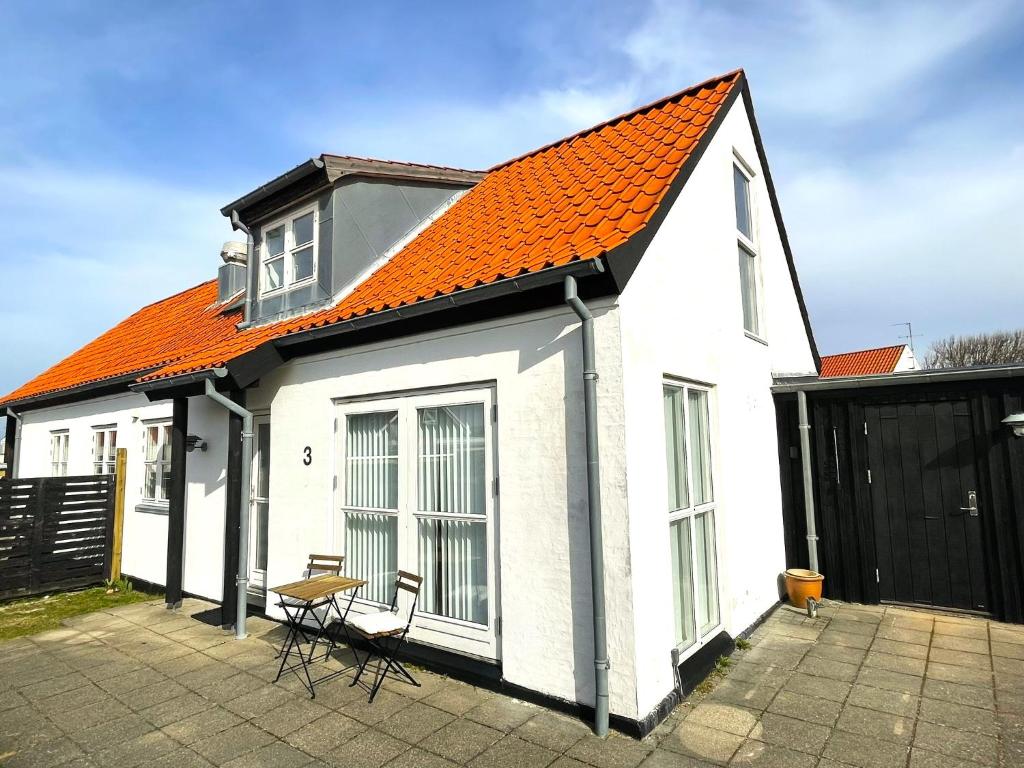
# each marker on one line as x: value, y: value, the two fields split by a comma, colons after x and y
x: 39, y: 614
x: 742, y: 644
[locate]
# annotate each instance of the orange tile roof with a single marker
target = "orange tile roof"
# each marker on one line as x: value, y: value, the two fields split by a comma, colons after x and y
x: 862, y: 363
x: 575, y: 199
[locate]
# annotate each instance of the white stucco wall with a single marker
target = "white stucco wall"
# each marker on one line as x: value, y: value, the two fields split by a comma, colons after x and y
x: 535, y: 365
x: 681, y: 316
x: 144, y: 551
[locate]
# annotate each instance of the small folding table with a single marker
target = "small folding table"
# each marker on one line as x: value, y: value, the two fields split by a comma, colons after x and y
x: 298, y: 601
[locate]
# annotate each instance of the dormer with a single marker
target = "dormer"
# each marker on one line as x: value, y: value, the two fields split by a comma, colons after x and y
x: 322, y: 227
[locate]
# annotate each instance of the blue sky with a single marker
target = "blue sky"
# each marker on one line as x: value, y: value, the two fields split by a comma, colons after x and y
x: 895, y: 132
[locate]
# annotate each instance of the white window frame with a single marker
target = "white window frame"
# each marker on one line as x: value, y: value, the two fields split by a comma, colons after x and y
x: 288, y: 255
x: 750, y: 245
x: 164, y: 427
x: 691, y: 511
x: 60, y: 447
x: 455, y: 634
x: 104, y: 465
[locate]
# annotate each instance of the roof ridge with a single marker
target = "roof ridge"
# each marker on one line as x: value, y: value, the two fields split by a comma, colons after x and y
x: 734, y: 74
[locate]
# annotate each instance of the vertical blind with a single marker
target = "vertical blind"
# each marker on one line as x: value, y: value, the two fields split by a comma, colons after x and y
x: 262, y: 493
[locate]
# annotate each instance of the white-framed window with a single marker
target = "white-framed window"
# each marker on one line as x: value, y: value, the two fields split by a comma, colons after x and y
x: 691, y: 512
x: 104, y: 450
x: 417, y: 493
x: 59, y: 441
x: 288, y: 251
x: 746, y: 249
x: 157, y: 458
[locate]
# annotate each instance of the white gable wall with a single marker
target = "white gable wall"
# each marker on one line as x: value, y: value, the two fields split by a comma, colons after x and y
x: 681, y: 316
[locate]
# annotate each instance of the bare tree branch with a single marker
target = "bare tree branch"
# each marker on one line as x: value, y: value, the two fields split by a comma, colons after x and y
x: 999, y: 348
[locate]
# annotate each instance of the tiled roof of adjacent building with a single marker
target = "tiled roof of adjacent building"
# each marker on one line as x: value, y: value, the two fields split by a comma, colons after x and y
x: 572, y: 200
x: 862, y: 363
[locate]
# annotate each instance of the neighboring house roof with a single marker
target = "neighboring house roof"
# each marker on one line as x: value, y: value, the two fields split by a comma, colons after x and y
x: 862, y: 363
x: 576, y: 199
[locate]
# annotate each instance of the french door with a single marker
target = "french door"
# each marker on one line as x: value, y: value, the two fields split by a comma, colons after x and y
x: 417, y: 493
x: 259, y: 510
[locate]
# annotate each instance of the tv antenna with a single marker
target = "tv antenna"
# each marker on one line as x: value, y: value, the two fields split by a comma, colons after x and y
x: 910, y: 334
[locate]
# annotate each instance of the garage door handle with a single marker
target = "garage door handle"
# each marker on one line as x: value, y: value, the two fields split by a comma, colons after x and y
x: 972, y: 499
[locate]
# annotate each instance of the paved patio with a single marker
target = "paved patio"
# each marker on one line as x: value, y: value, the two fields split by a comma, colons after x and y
x: 860, y: 686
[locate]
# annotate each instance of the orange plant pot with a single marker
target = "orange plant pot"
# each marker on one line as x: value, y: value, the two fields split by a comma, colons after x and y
x: 801, y: 584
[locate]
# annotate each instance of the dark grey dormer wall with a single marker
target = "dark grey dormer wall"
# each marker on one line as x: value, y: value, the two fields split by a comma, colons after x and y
x: 360, y: 218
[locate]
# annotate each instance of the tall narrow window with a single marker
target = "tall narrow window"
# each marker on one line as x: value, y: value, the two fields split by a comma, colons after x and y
x: 59, y: 453
x: 289, y: 252
x: 691, y: 513
x: 157, y: 479
x: 746, y: 250
x: 104, y: 450
x: 371, y: 501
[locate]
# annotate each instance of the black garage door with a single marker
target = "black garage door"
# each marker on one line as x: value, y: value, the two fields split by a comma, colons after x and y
x: 924, y: 507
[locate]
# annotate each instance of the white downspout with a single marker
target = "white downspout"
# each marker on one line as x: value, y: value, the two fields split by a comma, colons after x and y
x: 805, y: 461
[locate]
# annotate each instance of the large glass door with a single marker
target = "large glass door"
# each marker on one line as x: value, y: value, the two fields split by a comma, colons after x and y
x: 691, y: 507
x: 418, y: 493
x: 259, y: 511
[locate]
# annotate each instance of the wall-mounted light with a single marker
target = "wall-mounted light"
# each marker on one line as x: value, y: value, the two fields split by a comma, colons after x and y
x: 1015, y: 421
x: 195, y: 441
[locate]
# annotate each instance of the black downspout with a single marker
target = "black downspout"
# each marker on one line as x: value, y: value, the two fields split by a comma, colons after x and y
x: 176, y: 505
x: 232, y: 512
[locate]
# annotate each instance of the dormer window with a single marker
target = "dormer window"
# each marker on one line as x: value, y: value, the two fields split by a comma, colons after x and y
x: 288, y: 253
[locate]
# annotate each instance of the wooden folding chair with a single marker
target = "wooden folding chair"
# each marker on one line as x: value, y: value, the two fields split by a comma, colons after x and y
x: 380, y: 627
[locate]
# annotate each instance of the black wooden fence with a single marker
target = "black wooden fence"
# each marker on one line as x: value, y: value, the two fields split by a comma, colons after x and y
x: 55, y: 533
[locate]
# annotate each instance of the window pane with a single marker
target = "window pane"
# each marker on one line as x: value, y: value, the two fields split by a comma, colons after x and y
x: 371, y: 460
x: 450, y: 444
x: 150, y: 487
x: 700, y: 446
x: 453, y: 563
x: 675, y: 455
x: 152, y: 442
x: 371, y: 552
x: 98, y: 469
x: 263, y: 461
x: 682, y: 583
x: 112, y: 445
x: 165, y: 482
x: 262, y: 529
x: 275, y: 241
x: 302, y: 266
x: 748, y: 289
x: 707, y: 571
x: 302, y: 229
x: 98, y: 451
x: 742, y: 190
x: 273, y: 274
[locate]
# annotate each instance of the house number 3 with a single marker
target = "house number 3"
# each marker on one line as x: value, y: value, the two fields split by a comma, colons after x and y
x: 307, y: 455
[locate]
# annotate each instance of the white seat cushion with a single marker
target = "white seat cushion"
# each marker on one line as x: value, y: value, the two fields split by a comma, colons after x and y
x: 378, y: 623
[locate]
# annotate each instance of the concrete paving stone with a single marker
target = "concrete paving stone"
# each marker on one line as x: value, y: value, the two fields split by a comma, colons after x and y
x: 782, y: 659
x: 882, y: 725
x: 79, y: 697
x: 512, y: 752
x: 960, y: 716
x: 730, y: 718
x: 807, y: 708
x: 702, y: 743
x: 896, y: 648
x: 43, y: 753
x: 852, y: 627
x: 976, y: 747
x: 904, y: 635
x: 977, y: 630
x: 923, y: 758
x: 150, y: 695
x: 1008, y: 666
x: 429, y: 684
x: 235, y: 741
x: 335, y: 694
x: 11, y: 700
x: 958, y: 643
x: 502, y: 713
x: 384, y: 705
x: 834, y: 670
x: 290, y: 716
x: 17, y: 720
x: 961, y: 658
x: 52, y: 687
x: 415, y: 722
x: 910, y: 621
x: 1010, y: 701
x: 757, y: 753
x: 890, y: 681
x: 744, y: 693
x: 836, y: 637
x: 791, y: 733
x: 822, y: 687
x: 659, y: 758
x: 112, y: 732
x: 864, y: 751
x: 276, y: 755
x: 461, y: 740
x: 1006, y: 683
x: 553, y: 730
x: 974, y: 696
x: 182, y: 664
x: 844, y: 653
x: 369, y: 749
x: 1006, y: 634
x: 766, y: 676
x: 893, y: 663
x: 75, y: 720
x: 420, y: 758
x: 257, y: 702
x: 114, y: 668
x: 182, y: 757
x: 129, y: 681
x: 952, y: 673
x: 141, y: 749
x: 231, y: 687
x: 1008, y: 650
x: 207, y: 675
x: 783, y: 643
x: 200, y: 725
x: 612, y: 751
x: 882, y: 700
x: 321, y: 736
x: 178, y: 708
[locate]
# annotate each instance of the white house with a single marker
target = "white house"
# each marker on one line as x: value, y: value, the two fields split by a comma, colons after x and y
x: 402, y: 336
